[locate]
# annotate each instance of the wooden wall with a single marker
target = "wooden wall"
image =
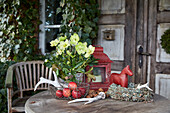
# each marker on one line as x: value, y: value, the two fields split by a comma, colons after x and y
x: 142, y: 21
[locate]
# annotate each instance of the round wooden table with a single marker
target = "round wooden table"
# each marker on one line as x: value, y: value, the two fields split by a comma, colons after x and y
x: 44, y: 103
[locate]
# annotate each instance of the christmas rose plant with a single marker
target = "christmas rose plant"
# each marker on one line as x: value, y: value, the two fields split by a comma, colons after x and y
x: 71, y: 56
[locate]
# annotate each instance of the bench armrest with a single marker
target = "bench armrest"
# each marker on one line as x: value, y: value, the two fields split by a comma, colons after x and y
x: 9, y: 77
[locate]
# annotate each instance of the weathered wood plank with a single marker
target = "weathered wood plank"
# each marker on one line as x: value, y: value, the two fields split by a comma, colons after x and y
x: 112, y: 19
x: 145, y: 38
x: 22, y: 76
x: 38, y: 74
x: 9, y: 77
x: 30, y: 76
x: 117, y: 65
x: 162, y: 83
x: 109, y: 46
x: 42, y: 73
x: 45, y: 103
x: 112, y: 6
x: 163, y: 68
x: 140, y: 40
x: 19, y: 79
x: 163, y: 17
x: 152, y: 28
x: 26, y: 75
x: 9, y: 96
x: 34, y: 74
x: 130, y: 35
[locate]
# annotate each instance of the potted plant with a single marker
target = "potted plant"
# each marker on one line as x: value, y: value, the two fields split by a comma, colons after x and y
x: 71, y: 57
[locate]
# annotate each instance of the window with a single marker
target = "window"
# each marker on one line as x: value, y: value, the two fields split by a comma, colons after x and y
x: 50, y: 24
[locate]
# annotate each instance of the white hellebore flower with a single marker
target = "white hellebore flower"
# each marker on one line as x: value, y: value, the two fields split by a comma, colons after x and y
x: 89, y: 51
x: 1, y: 33
x: 3, y: 59
x: 63, y: 45
x: 74, y: 39
x: 54, y: 42
x: 59, y: 52
x: 46, y: 60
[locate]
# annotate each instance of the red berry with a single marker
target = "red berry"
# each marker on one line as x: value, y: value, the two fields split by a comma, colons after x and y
x: 59, y: 93
x: 72, y: 85
x: 66, y: 92
x: 76, y: 93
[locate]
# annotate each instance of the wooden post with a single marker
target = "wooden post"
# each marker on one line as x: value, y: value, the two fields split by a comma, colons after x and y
x: 130, y: 36
x: 145, y: 39
x: 9, y: 96
x: 152, y: 27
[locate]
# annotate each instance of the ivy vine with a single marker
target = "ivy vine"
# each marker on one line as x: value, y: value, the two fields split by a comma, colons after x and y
x: 18, y: 29
x: 165, y: 41
x: 80, y: 16
x: 19, y: 21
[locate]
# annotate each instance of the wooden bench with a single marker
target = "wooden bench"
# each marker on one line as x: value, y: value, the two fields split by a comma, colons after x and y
x: 27, y: 74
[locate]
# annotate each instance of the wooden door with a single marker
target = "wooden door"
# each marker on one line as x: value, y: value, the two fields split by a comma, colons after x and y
x: 138, y: 26
x: 148, y: 20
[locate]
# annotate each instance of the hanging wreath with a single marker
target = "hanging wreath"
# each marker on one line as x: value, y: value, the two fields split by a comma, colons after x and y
x: 165, y: 41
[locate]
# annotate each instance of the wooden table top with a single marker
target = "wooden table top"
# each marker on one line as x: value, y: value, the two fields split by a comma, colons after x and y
x: 44, y: 103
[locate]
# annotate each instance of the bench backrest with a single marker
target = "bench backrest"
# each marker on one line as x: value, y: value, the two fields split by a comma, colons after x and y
x: 28, y: 74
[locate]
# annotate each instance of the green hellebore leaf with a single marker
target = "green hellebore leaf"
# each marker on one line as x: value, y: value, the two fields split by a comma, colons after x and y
x: 81, y: 70
x: 79, y: 64
x: 57, y: 72
x: 65, y: 70
x: 89, y: 70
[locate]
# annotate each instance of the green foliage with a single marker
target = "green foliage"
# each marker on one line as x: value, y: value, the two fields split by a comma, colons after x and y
x: 165, y: 41
x: 80, y: 16
x: 18, y: 30
x: 3, y: 92
x: 19, y: 21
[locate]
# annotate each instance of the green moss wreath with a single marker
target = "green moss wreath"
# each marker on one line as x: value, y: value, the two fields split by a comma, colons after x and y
x: 165, y: 41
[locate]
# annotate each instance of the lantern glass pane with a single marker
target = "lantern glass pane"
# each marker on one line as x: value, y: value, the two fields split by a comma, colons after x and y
x: 99, y: 73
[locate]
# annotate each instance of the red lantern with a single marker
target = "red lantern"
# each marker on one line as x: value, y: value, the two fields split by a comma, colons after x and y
x: 102, y: 71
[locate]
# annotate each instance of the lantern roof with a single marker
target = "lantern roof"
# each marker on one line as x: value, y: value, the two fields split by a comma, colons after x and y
x: 98, y: 54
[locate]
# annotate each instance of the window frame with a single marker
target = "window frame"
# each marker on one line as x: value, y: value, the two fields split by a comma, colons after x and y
x: 42, y: 27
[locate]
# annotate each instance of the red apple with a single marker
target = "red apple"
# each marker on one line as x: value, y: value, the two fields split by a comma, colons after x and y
x: 83, y: 90
x: 66, y: 92
x: 72, y: 85
x: 76, y: 93
x: 59, y: 93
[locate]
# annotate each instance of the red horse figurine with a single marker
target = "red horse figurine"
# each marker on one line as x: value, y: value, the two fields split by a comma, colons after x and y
x: 122, y: 78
